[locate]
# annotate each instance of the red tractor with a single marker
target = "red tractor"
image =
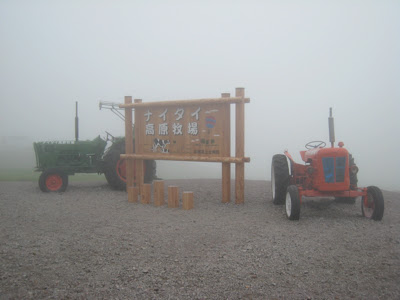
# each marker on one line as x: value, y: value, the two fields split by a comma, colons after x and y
x: 327, y: 172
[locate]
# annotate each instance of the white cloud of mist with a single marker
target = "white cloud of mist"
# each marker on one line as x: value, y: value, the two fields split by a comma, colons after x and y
x: 295, y: 59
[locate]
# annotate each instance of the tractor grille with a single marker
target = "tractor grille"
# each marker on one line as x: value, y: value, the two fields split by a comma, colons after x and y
x: 334, y: 169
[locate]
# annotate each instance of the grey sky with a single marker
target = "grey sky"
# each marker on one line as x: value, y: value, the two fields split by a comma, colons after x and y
x: 295, y: 59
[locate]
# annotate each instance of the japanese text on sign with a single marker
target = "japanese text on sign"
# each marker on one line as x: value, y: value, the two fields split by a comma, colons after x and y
x: 184, y: 129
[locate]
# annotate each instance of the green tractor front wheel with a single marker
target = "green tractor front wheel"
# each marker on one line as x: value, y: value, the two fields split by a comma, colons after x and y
x: 53, y: 180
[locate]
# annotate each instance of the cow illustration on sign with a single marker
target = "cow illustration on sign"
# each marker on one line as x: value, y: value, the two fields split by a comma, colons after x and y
x: 162, y: 144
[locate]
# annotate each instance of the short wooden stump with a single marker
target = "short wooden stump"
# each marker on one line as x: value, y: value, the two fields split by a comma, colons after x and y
x: 146, y: 193
x: 159, y: 192
x: 187, y: 200
x: 173, y: 196
x: 132, y: 194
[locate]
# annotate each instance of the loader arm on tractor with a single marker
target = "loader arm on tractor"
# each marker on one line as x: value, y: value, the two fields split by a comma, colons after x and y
x: 114, y: 107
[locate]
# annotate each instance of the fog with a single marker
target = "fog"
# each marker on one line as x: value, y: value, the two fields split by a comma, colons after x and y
x: 295, y: 59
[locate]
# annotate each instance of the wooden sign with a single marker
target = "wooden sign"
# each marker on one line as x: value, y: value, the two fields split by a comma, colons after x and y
x: 187, y: 130
x: 198, y: 130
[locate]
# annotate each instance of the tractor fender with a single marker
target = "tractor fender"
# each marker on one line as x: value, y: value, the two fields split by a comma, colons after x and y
x: 288, y: 155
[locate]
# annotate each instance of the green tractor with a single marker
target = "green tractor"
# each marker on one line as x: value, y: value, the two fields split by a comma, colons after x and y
x: 58, y: 160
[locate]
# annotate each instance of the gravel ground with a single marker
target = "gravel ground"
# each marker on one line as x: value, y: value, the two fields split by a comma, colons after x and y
x: 91, y: 243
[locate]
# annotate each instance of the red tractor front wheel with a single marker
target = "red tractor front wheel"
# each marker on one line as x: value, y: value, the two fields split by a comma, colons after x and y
x: 53, y: 180
x: 372, y: 206
x: 292, y: 203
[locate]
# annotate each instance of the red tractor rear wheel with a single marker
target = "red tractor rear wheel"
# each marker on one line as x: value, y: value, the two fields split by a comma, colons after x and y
x: 279, y: 178
x: 372, y: 206
x: 53, y: 180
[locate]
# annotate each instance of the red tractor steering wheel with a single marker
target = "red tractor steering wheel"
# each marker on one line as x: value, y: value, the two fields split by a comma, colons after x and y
x: 315, y: 144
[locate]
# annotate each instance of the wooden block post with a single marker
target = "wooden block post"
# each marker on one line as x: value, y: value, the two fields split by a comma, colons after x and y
x: 132, y: 194
x: 159, y: 192
x: 138, y: 143
x: 173, y: 196
x: 226, y: 167
x: 146, y: 194
x: 129, y: 144
x: 239, y: 168
x: 187, y: 200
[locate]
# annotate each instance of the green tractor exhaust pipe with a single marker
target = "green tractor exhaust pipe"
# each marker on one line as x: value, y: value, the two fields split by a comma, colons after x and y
x: 76, y: 122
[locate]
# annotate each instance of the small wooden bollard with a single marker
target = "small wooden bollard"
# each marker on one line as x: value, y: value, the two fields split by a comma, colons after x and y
x: 187, y: 200
x: 158, y: 192
x: 132, y: 194
x: 173, y: 196
x: 146, y: 194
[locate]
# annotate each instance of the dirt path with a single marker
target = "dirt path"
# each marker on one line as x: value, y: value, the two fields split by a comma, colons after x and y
x: 91, y: 243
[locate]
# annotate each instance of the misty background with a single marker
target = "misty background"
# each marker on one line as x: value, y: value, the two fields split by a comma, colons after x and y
x: 295, y: 59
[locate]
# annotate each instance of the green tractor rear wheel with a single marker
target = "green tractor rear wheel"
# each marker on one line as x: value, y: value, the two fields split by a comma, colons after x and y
x: 53, y: 180
x: 115, y: 168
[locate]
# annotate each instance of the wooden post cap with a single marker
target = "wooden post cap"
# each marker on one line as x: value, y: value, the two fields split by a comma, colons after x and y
x: 239, y: 92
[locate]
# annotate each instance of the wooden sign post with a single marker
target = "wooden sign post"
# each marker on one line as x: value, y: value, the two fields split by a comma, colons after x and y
x: 187, y: 130
x: 239, y: 169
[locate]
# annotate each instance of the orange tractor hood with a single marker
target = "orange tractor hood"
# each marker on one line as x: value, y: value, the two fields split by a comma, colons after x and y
x: 317, y: 152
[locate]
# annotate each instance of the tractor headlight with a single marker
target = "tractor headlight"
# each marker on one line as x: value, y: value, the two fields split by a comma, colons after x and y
x: 354, y: 169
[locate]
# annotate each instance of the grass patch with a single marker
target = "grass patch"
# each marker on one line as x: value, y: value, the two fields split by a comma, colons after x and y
x: 18, y: 175
x: 31, y: 175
